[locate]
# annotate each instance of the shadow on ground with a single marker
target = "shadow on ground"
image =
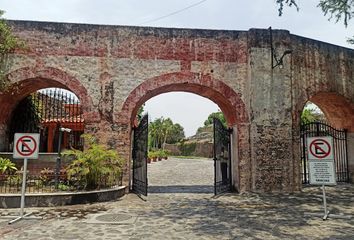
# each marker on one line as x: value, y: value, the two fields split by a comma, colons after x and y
x: 182, y: 189
x: 262, y: 216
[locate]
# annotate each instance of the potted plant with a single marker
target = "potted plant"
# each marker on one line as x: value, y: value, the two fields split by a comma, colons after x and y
x: 149, y: 157
x: 165, y: 154
x: 159, y: 154
x: 153, y: 155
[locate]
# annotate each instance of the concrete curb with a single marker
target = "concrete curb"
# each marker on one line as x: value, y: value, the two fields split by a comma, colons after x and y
x: 61, y: 198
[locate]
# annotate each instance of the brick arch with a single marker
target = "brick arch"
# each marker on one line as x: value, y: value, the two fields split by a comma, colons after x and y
x: 226, y: 98
x: 27, y: 80
x: 338, y: 110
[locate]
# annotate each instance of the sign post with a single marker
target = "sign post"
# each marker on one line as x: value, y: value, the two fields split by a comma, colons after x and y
x: 322, y: 168
x: 26, y: 147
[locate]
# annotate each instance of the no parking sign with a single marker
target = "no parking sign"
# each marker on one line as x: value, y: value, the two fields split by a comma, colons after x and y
x: 321, y: 160
x: 320, y: 148
x: 26, y: 145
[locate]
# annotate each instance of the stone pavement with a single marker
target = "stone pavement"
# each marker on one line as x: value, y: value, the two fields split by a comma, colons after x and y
x: 174, y: 213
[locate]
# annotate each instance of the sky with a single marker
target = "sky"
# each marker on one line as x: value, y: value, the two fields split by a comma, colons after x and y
x: 187, y: 109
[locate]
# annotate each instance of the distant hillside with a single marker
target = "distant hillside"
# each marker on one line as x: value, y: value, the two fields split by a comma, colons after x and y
x: 204, y: 134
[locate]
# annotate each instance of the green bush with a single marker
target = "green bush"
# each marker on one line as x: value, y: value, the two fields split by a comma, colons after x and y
x: 6, y: 166
x: 187, y: 149
x: 152, y: 154
x: 63, y: 187
x: 93, y: 167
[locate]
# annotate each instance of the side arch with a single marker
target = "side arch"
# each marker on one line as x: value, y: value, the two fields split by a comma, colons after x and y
x: 338, y: 109
x: 29, y: 79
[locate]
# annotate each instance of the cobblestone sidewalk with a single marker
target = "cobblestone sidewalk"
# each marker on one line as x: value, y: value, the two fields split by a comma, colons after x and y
x: 189, y: 215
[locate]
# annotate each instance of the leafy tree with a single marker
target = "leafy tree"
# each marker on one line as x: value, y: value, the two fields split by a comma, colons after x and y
x: 311, y: 113
x: 220, y: 115
x: 339, y: 10
x: 176, y: 134
x: 8, y: 43
x: 163, y: 131
x: 140, y: 112
x: 308, y: 116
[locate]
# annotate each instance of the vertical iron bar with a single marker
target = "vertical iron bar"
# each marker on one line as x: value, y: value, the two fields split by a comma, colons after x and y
x: 304, y: 155
x: 229, y: 162
x: 214, y: 129
x: 342, y: 162
x: 133, y: 156
x: 61, y: 105
x: 346, y: 155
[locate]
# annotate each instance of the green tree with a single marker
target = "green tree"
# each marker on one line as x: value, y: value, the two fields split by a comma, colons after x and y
x: 339, y: 10
x: 309, y: 115
x: 220, y: 115
x: 163, y: 131
x: 8, y: 43
x: 140, y: 112
x: 176, y: 134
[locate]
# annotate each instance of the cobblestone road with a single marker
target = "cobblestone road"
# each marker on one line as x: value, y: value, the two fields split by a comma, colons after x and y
x: 181, y: 213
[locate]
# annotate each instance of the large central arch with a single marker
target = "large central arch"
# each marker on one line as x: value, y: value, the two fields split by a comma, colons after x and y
x: 225, y: 97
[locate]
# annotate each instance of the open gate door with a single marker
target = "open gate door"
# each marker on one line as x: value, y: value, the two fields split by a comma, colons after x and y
x: 139, y: 155
x: 222, y: 158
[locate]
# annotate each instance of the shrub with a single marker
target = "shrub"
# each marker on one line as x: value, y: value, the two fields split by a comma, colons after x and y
x: 94, y: 166
x: 46, y: 175
x: 187, y: 149
x: 6, y: 166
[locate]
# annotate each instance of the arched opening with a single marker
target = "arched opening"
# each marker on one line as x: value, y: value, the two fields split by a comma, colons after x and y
x: 180, y: 143
x: 48, y: 111
x: 229, y: 102
x: 42, y: 100
x: 329, y: 114
x: 26, y: 81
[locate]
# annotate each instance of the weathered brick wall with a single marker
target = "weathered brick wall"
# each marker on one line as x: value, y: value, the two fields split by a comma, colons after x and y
x: 324, y: 74
x: 114, y: 69
x: 270, y: 111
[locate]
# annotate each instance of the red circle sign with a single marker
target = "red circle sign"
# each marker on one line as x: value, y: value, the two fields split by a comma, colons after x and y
x: 317, y: 150
x: 29, y: 150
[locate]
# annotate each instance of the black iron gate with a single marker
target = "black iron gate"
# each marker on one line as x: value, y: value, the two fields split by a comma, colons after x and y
x: 222, y: 158
x: 139, y: 155
x: 44, y: 112
x: 320, y: 129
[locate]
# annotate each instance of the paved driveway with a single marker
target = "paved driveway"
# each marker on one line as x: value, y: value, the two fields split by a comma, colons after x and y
x: 181, y: 176
x: 174, y: 213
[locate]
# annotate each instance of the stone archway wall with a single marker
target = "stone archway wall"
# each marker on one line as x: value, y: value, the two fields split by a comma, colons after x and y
x: 106, y: 66
x: 226, y: 98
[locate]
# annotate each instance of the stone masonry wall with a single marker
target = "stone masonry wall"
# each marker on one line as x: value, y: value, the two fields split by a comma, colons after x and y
x: 114, y: 69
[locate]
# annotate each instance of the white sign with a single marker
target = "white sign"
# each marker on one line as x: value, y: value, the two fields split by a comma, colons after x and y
x: 26, y: 145
x: 320, y: 148
x: 322, y: 172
